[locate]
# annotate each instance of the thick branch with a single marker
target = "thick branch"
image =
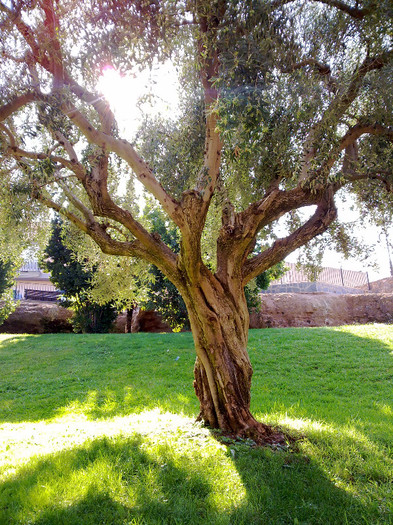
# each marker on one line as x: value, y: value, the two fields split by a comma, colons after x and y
x: 17, y: 103
x: 365, y: 128
x: 109, y: 245
x: 125, y: 150
x: 343, y: 100
x: 336, y: 110
x: 52, y: 61
x: 237, y: 235
x: 350, y: 138
x: 27, y: 33
x: 55, y: 61
x: 321, y: 69
x: 324, y: 215
x: 10, y: 136
x: 75, y: 167
x: 354, y: 12
x: 209, y: 23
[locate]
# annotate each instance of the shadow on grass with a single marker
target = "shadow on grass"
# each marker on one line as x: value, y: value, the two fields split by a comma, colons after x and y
x: 128, y: 480
x: 125, y: 481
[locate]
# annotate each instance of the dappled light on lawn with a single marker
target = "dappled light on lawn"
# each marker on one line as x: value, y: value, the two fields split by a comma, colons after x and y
x: 352, y: 454
x: 22, y: 441
x: 101, y: 429
x: 153, y: 464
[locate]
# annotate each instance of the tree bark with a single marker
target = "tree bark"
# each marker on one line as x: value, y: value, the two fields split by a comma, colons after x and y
x: 220, y: 323
x: 128, y: 325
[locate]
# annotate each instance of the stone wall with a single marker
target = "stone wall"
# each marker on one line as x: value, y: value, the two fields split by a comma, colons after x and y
x: 382, y: 286
x: 277, y: 310
x: 37, y: 317
x: 319, y: 309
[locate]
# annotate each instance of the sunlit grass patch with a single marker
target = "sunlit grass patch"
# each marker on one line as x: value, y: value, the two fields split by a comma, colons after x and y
x: 160, y: 465
x: 100, y: 430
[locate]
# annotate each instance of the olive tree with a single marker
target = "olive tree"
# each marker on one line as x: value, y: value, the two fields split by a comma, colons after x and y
x: 284, y: 103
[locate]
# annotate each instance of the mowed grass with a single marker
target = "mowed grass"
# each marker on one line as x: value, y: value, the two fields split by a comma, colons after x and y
x: 99, y: 429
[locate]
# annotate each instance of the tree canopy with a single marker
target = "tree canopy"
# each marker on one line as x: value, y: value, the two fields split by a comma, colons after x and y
x: 282, y: 105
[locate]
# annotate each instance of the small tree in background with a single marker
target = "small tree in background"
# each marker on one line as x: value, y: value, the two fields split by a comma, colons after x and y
x: 8, y: 269
x: 69, y: 275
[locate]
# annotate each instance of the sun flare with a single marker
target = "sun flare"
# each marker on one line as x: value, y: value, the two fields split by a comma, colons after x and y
x: 146, y: 92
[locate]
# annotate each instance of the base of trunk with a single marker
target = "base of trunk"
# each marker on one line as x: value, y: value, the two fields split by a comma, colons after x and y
x: 263, y: 435
x: 229, y: 412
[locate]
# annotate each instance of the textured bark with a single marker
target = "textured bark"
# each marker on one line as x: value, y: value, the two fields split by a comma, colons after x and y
x: 128, y: 325
x: 223, y: 370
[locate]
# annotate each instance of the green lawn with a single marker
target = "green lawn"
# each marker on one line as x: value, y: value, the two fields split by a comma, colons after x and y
x: 98, y: 429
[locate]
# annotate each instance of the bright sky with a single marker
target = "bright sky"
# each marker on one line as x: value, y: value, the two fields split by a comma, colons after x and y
x: 125, y: 93
x: 159, y: 88
x: 377, y: 265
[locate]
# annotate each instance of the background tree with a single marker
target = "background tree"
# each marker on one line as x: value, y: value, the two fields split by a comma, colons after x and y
x: 75, y: 282
x: 8, y: 271
x: 284, y: 103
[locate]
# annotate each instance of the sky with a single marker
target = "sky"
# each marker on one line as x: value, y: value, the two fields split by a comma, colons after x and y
x: 124, y: 94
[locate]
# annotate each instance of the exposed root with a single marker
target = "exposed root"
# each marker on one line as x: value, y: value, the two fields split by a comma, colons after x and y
x: 257, y: 435
x: 263, y: 436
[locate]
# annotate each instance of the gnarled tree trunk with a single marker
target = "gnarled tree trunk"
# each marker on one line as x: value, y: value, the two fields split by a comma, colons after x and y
x: 220, y: 323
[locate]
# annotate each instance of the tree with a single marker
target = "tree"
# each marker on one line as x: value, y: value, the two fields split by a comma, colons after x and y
x: 68, y: 275
x: 7, y: 279
x: 163, y: 297
x: 284, y: 103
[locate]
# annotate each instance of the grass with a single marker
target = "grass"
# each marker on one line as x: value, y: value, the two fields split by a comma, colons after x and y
x: 99, y: 429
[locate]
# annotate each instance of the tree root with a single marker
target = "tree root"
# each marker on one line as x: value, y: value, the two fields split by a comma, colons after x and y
x: 257, y: 435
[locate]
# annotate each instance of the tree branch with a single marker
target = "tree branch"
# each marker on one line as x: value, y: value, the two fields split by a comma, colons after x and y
x: 75, y: 201
x: 209, y: 23
x: 324, y: 215
x: 336, y: 110
x: 350, y: 138
x: 125, y: 150
x: 354, y: 12
x: 76, y: 168
x: 365, y: 128
x: 10, y: 136
x: 18, y: 102
x: 323, y: 70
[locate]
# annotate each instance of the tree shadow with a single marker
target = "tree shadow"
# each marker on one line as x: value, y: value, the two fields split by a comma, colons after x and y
x: 123, y: 481
x: 296, y: 488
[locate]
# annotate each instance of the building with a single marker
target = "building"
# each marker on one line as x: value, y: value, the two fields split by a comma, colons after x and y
x: 33, y: 283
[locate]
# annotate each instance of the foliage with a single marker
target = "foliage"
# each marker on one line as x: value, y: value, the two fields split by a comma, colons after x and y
x: 8, y: 270
x: 162, y: 296
x: 69, y: 276
x: 283, y: 104
x: 115, y: 438
x: 262, y: 282
x: 92, y: 317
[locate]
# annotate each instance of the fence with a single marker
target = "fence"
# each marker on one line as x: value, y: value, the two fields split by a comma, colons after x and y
x: 36, y: 291
x: 334, y: 280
